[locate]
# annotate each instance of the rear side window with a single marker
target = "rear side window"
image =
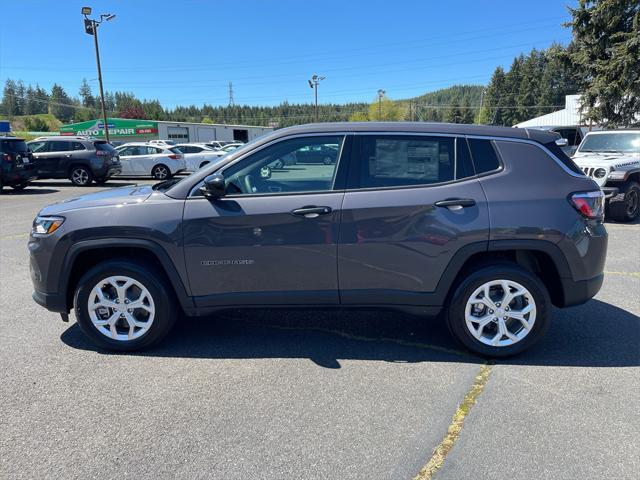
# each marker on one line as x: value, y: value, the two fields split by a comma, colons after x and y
x: 78, y: 146
x: 60, y: 147
x: 485, y: 158
x: 13, y: 146
x: 392, y: 161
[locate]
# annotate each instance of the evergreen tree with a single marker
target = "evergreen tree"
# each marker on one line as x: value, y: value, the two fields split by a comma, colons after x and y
x: 453, y: 113
x: 41, y: 100
x: 493, y: 99
x: 606, y: 40
x: 86, y: 96
x: 468, y: 115
x: 10, y: 104
x: 60, y: 105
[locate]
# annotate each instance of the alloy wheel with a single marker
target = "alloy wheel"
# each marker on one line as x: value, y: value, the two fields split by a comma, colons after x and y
x: 632, y: 202
x: 121, y: 308
x: 80, y: 176
x: 500, y: 313
x: 161, y: 172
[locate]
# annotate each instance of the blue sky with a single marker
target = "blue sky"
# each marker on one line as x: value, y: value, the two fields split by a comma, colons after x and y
x: 186, y: 51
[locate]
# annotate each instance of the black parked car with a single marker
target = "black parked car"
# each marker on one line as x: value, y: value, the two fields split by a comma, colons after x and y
x: 16, y: 163
x: 80, y: 159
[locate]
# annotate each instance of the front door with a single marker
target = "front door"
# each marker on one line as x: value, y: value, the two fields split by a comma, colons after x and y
x: 411, y: 203
x: 273, y: 238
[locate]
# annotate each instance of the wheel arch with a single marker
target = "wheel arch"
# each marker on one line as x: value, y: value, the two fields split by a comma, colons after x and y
x: 86, y: 254
x: 540, y: 257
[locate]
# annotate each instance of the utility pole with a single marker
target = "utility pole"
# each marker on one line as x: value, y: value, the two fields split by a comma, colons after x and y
x: 484, y: 90
x: 380, y: 95
x: 313, y: 83
x: 231, y: 102
x: 91, y: 28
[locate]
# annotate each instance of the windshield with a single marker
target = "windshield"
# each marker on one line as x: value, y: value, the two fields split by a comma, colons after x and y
x: 612, y: 142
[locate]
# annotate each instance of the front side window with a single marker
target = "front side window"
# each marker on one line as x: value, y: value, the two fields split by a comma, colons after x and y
x: 285, y: 167
x: 38, y: 147
x: 397, y: 161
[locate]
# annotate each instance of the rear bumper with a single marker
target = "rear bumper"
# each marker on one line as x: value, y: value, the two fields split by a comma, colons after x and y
x: 577, y: 292
x: 18, y: 176
x: 51, y: 301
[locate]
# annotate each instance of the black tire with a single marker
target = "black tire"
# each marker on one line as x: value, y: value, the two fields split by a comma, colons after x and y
x: 503, y: 271
x: 203, y: 164
x: 153, y: 280
x: 625, y: 206
x: 80, y: 176
x: 161, y: 172
x: 19, y: 187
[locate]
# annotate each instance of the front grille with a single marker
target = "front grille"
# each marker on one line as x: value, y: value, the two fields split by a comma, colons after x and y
x: 588, y: 171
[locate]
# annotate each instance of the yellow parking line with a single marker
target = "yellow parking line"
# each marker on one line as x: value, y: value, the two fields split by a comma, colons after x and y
x: 455, y: 427
x: 14, y: 236
x: 627, y: 274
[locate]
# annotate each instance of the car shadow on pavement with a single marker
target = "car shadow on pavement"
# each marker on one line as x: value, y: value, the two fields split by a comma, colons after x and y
x: 30, y: 190
x: 593, y: 335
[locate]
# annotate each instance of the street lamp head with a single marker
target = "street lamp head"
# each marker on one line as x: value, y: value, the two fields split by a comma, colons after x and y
x: 310, y: 83
x: 86, y: 10
x: 110, y: 17
x: 381, y: 93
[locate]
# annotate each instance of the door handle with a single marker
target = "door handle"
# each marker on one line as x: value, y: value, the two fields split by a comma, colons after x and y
x: 456, y: 203
x: 67, y: 155
x: 311, y: 211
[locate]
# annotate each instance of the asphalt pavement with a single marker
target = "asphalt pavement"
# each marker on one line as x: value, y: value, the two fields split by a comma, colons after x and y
x: 313, y: 395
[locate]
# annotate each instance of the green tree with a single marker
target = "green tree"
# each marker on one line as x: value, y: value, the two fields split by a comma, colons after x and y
x: 453, y: 114
x: 87, y: 98
x: 385, y: 109
x: 467, y: 112
x: 10, y: 104
x: 606, y: 41
x: 493, y: 100
x: 60, y: 105
x: 35, y: 124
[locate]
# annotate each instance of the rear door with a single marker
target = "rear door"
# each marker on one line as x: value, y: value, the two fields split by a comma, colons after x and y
x: 273, y: 238
x: 412, y: 202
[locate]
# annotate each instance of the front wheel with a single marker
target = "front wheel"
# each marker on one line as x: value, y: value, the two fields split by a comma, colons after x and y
x: 19, y: 187
x: 499, y: 310
x: 161, y: 172
x: 80, y: 176
x: 625, y: 206
x: 124, y: 305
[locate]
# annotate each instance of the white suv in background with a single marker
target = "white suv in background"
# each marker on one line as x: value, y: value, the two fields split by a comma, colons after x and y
x: 145, y: 159
x: 197, y: 155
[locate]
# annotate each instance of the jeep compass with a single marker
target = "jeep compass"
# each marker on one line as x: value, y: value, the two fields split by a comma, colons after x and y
x: 491, y: 226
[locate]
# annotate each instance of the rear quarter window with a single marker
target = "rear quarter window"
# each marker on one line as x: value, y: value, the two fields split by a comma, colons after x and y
x: 483, y: 153
x: 175, y: 150
x: 104, y: 147
x: 564, y: 159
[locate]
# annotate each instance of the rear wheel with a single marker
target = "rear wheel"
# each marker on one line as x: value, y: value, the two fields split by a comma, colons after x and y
x: 124, y: 305
x: 80, y: 176
x: 161, y: 172
x: 625, y: 206
x: 499, y: 310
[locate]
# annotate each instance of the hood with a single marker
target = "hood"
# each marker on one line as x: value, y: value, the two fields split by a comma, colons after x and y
x: 608, y: 159
x: 112, y: 196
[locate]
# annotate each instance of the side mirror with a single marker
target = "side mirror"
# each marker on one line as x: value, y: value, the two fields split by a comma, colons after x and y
x: 214, y: 186
x: 562, y: 142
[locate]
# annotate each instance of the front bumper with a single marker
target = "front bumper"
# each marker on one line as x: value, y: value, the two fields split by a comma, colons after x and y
x: 51, y: 301
x: 610, y: 191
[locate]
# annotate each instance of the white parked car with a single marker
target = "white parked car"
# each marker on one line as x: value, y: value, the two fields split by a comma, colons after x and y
x: 197, y: 155
x: 164, y: 143
x: 144, y: 159
x: 612, y: 159
x: 217, y: 144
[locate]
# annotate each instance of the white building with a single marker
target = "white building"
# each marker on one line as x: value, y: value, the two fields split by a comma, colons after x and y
x: 569, y: 116
x: 183, y: 132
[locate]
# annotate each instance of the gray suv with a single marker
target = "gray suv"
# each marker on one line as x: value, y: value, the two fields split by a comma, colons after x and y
x: 490, y: 225
x: 80, y: 159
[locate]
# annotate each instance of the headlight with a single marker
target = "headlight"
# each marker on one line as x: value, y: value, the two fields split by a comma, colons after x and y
x: 600, y: 173
x: 46, y: 225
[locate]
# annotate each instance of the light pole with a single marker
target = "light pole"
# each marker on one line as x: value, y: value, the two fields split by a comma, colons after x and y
x: 313, y: 83
x: 380, y: 95
x: 91, y: 28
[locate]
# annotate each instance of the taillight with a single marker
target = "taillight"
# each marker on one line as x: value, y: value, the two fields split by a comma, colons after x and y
x: 174, y: 157
x: 102, y: 153
x: 589, y: 204
x: 6, y: 157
